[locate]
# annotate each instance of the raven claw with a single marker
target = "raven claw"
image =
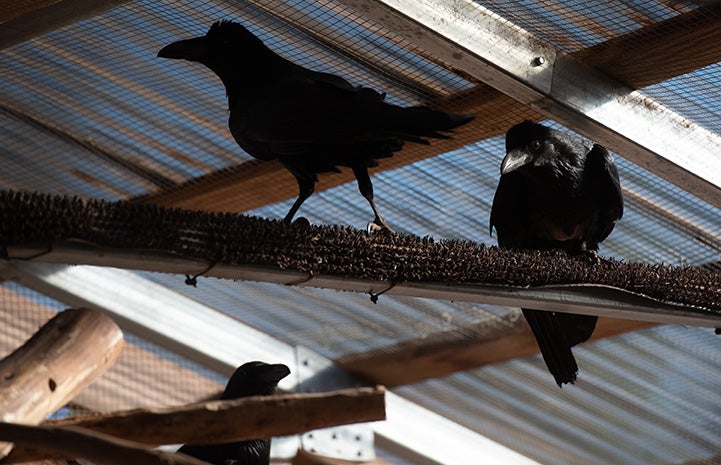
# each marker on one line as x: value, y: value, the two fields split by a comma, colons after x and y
x: 374, y: 227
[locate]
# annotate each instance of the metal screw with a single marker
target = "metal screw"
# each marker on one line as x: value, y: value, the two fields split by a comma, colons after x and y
x: 538, y: 61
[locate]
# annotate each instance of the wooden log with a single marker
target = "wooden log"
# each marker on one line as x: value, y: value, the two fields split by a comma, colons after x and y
x: 229, y: 420
x: 99, y: 448
x: 70, y: 351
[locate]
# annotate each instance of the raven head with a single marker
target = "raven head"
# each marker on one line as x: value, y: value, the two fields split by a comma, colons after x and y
x: 223, y: 41
x: 255, y: 379
x: 534, y: 147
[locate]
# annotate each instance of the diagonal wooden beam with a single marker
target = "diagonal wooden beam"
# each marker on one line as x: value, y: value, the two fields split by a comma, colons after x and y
x: 444, y: 354
x: 27, y: 19
x: 638, y: 59
x: 255, y: 184
x: 660, y: 51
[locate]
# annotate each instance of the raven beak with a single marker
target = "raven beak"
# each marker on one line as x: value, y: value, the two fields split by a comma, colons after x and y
x: 274, y: 373
x: 190, y: 49
x: 514, y: 160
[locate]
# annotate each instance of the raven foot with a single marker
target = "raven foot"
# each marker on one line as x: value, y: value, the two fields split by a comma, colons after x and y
x: 374, y: 227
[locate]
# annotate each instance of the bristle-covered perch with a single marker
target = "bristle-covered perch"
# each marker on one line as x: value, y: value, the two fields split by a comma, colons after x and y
x: 63, y: 229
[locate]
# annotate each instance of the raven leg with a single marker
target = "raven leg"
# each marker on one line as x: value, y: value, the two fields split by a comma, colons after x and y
x: 305, y: 189
x: 366, y: 189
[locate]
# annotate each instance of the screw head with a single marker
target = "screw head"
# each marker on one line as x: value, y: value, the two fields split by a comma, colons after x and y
x: 538, y: 61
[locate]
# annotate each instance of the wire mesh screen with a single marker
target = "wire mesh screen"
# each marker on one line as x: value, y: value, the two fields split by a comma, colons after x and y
x: 144, y: 375
x: 574, y: 25
x: 645, y: 398
x: 121, y: 122
x: 90, y: 110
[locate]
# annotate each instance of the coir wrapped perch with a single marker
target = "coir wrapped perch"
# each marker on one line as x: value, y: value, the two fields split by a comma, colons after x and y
x: 76, y: 231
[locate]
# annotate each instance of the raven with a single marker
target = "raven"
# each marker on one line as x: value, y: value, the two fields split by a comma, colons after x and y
x: 556, y: 191
x: 250, y: 379
x: 311, y: 122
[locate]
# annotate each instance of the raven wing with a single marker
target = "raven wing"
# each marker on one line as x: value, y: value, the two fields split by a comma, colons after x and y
x: 602, y: 189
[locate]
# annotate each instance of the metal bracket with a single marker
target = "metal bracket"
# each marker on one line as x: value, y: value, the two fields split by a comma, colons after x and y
x: 351, y: 442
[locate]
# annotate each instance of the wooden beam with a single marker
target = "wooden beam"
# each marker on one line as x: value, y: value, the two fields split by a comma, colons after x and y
x: 255, y: 184
x: 65, y: 355
x: 32, y: 18
x: 444, y: 354
x: 241, y: 419
x: 97, y: 447
x: 229, y: 420
x: 638, y: 59
x: 660, y: 51
x: 11, y: 10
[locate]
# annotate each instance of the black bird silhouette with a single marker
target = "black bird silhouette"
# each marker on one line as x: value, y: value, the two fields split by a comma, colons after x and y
x: 311, y: 122
x: 557, y: 191
x: 250, y: 379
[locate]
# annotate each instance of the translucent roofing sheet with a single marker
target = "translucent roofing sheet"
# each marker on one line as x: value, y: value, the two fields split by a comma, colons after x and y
x: 94, y: 92
x: 576, y: 24
x: 694, y: 95
x: 646, y: 397
x: 90, y: 110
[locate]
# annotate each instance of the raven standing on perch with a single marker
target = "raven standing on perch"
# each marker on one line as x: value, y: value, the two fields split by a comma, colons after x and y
x: 251, y: 379
x: 311, y: 122
x: 556, y: 191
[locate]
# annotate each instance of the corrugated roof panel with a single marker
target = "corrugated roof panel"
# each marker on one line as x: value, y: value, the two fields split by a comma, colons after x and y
x: 331, y: 323
x: 101, y: 116
x: 693, y: 95
x: 573, y: 25
x: 162, y: 122
x: 650, y: 408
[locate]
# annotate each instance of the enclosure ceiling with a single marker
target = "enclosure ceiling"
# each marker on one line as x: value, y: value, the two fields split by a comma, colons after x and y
x: 87, y: 109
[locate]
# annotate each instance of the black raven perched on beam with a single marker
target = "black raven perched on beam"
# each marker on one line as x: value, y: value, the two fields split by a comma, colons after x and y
x: 250, y: 379
x: 556, y: 192
x: 311, y: 122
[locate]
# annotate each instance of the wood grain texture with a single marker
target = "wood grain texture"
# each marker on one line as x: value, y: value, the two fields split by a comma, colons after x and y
x: 137, y: 379
x: 99, y: 448
x: 68, y: 353
x: 441, y: 355
x: 229, y: 420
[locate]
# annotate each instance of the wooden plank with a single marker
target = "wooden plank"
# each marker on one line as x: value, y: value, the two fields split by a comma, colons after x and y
x: 241, y: 419
x: 638, y: 59
x: 444, y: 354
x: 99, y: 448
x: 255, y: 184
x: 660, y: 51
x: 229, y: 420
x: 12, y: 9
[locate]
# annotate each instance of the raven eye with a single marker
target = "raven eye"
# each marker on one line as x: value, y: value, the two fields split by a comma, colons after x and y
x: 535, y: 145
